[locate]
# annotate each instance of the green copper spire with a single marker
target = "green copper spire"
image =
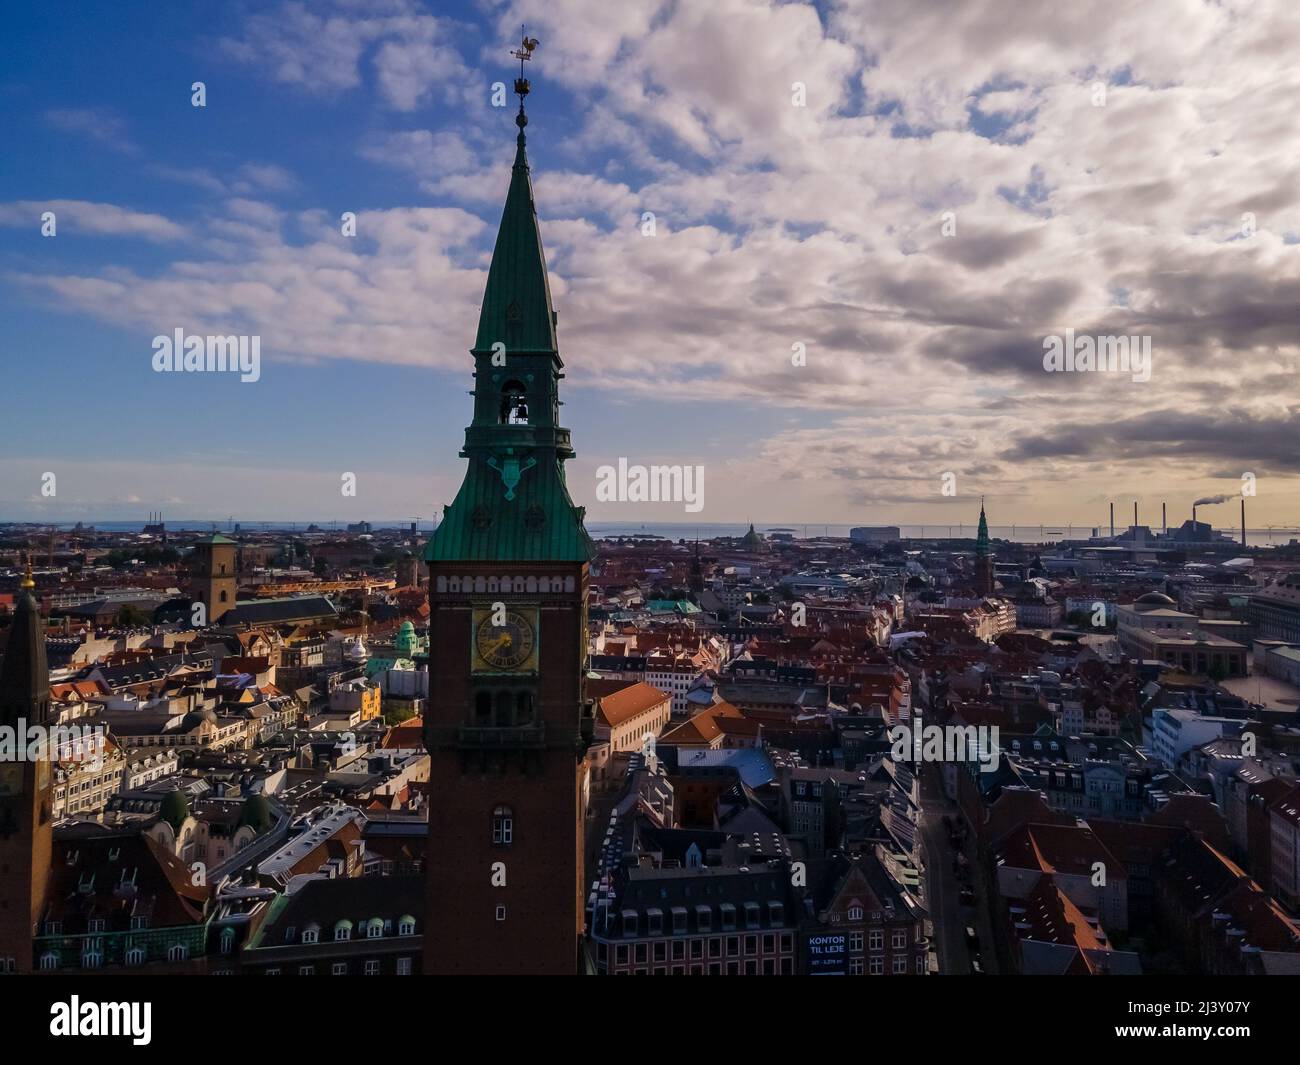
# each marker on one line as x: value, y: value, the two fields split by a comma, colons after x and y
x: 513, y: 505
x: 982, y: 537
x: 517, y: 303
x: 25, y: 674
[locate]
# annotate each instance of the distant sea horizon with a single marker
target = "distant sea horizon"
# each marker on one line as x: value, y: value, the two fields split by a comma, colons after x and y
x: 674, y: 531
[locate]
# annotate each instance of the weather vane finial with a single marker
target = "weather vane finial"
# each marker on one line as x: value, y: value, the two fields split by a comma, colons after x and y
x: 523, y: 53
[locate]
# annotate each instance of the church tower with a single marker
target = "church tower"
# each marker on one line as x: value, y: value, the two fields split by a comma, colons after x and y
x: 26, y: 829
x: 214, y: 576
x: 984, y: 582
x: 507, y: 728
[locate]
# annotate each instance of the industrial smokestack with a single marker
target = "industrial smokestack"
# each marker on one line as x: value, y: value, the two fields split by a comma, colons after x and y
x: 1243, y: 521
x: 1193, y: 513
x: 1135, y: 514
x: 1164, y: 516
x: 1112, y: 521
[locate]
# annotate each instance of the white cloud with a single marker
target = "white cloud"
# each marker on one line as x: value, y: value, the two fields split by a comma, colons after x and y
x: 822, y: 225
x: 96, y: 219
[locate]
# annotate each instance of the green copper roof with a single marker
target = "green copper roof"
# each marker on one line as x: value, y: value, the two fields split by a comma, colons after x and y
x: 982, y: 536
x: 517, y: 303
x: 539, y: 524
x: 513, y: 505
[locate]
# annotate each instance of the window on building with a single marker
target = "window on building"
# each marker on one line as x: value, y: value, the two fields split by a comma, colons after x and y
x: 177, y: 952
x: 503, y: 826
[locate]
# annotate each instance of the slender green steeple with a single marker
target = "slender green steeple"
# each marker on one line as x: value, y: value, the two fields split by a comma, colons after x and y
x: 24, y: 674
x: 517, y: 302
x: 985, y: 581
x: 513, y: 504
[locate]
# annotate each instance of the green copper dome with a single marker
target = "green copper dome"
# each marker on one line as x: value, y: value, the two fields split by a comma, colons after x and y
x: 175, y: 809
x: 256, y: 812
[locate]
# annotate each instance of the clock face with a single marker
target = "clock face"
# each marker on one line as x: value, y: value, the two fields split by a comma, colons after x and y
x: 507, y: 648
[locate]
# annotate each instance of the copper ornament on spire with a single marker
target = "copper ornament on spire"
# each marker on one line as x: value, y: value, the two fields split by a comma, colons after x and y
x: 524, y: 53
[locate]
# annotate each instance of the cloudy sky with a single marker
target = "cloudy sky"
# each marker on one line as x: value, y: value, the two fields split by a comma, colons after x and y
x: 916, y: 192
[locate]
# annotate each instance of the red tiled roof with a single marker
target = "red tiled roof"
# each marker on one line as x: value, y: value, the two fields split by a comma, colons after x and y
x: 629, y: 702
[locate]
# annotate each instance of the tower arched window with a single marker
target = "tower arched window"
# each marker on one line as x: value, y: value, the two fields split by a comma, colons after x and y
x: 505, y: 709
x: 514, y: 406
x: 223, y: 596
x: 503, y: 826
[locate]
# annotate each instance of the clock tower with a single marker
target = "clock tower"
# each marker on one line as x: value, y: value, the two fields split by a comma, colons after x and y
x: 507, y: 727
x: 26, y: 829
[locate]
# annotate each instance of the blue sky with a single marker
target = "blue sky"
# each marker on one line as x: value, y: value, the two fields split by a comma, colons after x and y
x: 776, y: 224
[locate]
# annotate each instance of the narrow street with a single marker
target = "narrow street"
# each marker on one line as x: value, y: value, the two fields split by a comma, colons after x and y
x: 942, y: 889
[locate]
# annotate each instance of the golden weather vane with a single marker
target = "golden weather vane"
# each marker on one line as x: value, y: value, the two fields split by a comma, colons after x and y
x: 523, y: 53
